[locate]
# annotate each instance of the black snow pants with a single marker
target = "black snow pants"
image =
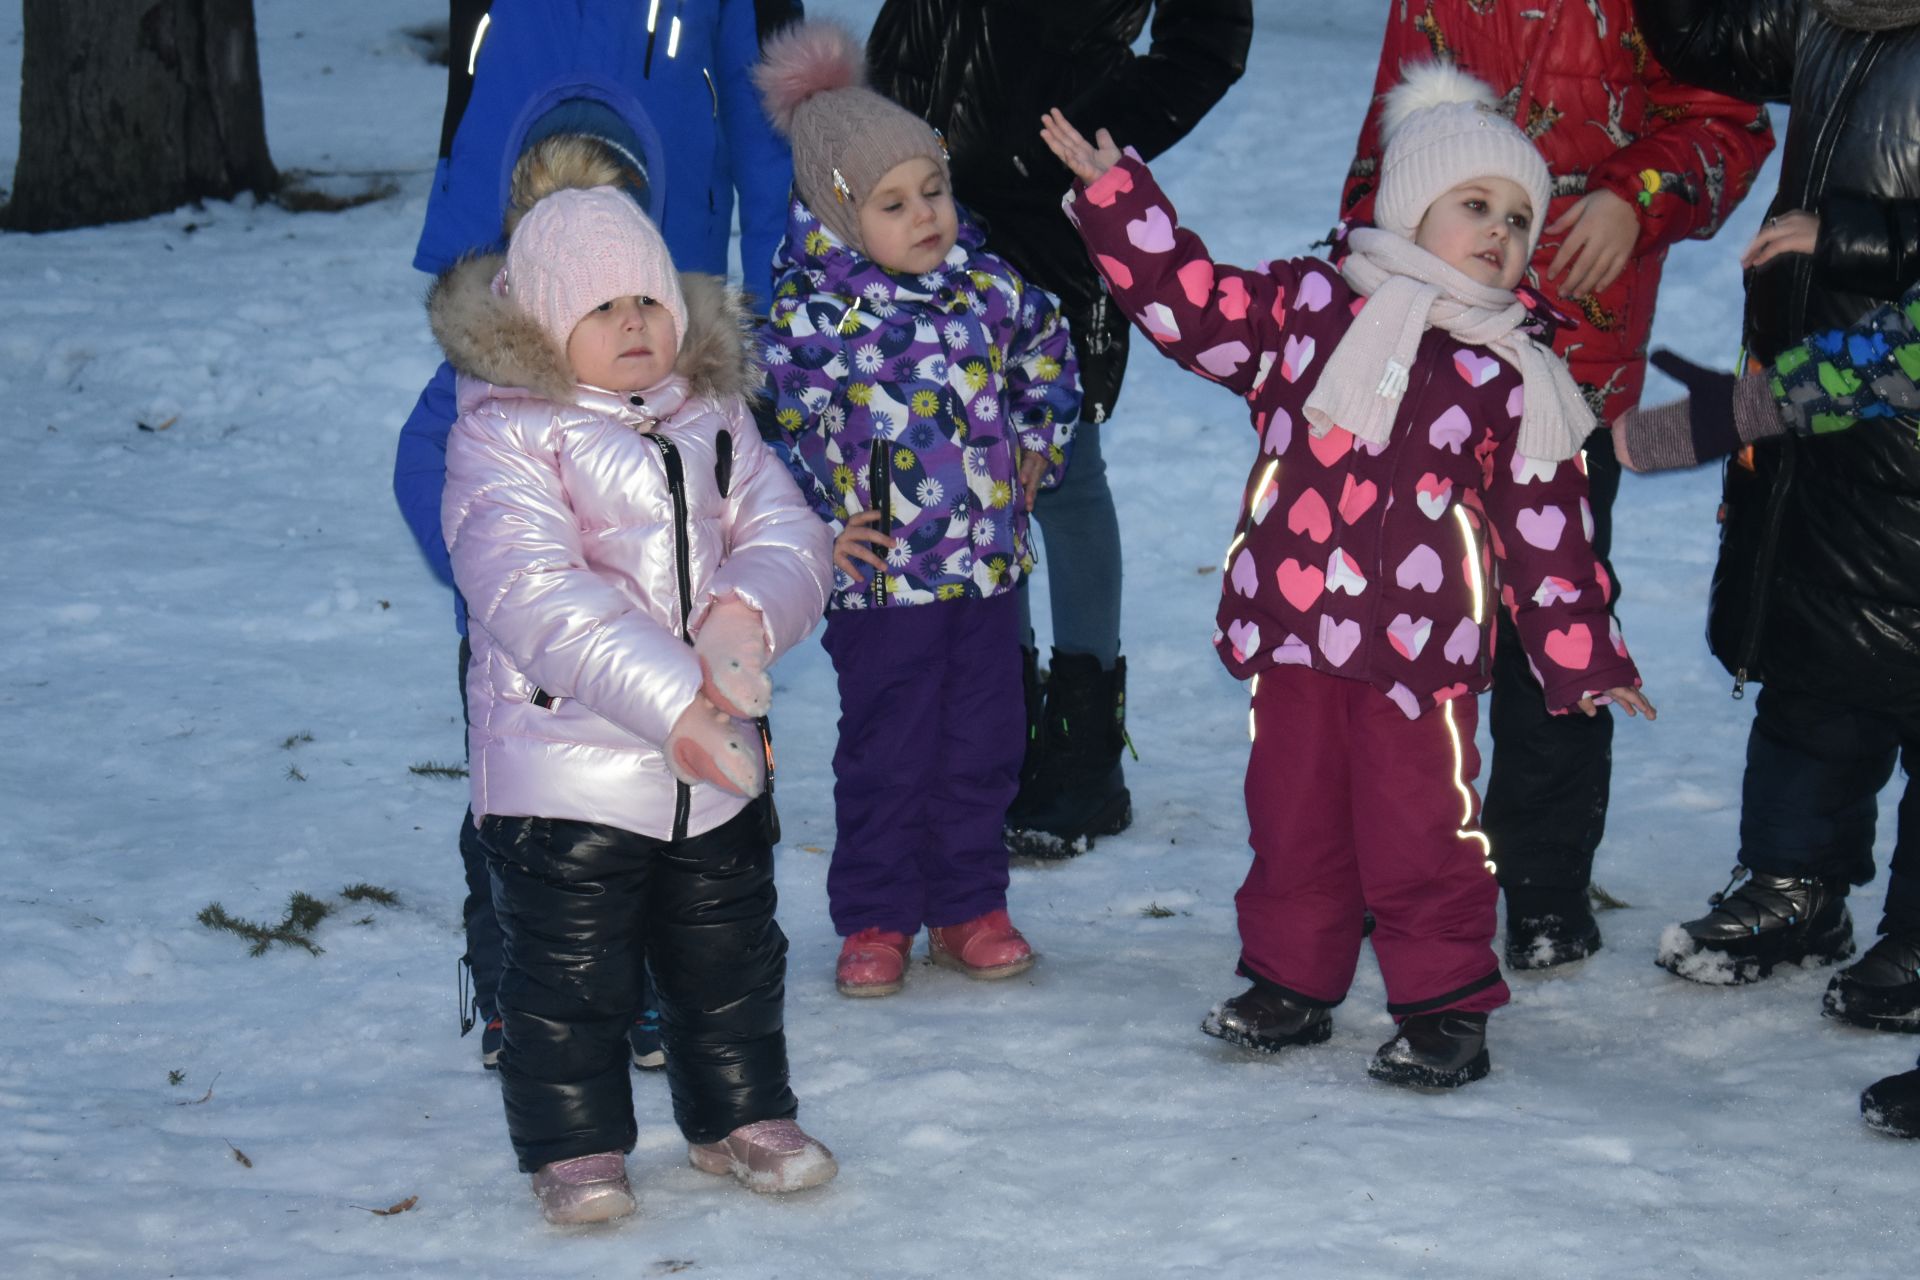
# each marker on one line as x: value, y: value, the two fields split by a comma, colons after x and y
x: 583, y: 908
x: 1548, y: 783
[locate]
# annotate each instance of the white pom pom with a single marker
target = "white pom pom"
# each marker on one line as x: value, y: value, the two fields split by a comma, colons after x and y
x: 1430, y: 84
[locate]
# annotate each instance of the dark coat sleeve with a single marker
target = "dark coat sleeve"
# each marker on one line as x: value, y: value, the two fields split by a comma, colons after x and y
x: 1198, y: 49
x: 1742, y: 48
x: 1868, y: 244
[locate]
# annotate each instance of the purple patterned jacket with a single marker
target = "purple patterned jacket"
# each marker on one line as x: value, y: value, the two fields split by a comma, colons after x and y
x: 915, y: 394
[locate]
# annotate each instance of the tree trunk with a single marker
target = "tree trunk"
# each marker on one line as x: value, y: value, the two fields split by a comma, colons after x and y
x: 131, y: 107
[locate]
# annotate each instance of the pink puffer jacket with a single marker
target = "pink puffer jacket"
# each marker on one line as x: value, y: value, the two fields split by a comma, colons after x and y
x: 590, y: 534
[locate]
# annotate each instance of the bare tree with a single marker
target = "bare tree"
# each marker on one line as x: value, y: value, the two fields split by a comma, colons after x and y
x: 131, y: 107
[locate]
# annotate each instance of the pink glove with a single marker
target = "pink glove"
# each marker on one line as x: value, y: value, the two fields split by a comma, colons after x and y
x: 732, y: 648
x: 707, y: 745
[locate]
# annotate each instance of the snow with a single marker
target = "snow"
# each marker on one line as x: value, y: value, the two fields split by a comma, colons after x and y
x: 220, y: 654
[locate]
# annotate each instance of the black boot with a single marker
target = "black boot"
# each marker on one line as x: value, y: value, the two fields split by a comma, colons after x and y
x: 1033, y: 688
x: 1266, y: 1019
x: 1882, y: 989
x: 1769, y: 920
x: 1893, y: 1105
x: 1441, y: 1050
x: 1548, y: 927
x: 1076, y: 789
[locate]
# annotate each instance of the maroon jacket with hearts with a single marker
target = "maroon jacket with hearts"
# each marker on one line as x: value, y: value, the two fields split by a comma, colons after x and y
x: 1371, y: 562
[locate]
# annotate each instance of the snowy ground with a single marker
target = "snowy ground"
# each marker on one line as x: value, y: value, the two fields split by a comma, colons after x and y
x: 220, y: 654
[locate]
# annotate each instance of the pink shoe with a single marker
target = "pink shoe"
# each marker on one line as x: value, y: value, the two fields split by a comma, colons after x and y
x: 873, y: 962
x: 584, y: 1189
x: 768, y: 1156
x: 989, y: 947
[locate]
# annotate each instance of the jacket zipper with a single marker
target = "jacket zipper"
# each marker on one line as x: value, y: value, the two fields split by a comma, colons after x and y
x: 683, y: 574
x: 880, y: 493
x: 1803, y: 280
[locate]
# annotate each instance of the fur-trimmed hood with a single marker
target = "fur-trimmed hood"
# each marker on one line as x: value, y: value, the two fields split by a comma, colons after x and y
x: 487, y: 337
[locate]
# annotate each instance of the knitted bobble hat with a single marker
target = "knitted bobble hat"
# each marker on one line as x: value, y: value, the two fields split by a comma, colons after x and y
x: 1441, y: 128
x: 580, y: 247
x: 845, y: 136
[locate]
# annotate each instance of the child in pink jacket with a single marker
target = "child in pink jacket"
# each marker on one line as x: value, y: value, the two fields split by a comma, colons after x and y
x: 1419, y: 463
x: 633, y: 557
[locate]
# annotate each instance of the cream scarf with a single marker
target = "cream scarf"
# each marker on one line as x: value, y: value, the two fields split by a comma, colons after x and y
x: 1408, y: 291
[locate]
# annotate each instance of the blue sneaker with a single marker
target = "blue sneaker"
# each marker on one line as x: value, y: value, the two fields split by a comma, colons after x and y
x: 644, y: 1038
x: 492, y: 1038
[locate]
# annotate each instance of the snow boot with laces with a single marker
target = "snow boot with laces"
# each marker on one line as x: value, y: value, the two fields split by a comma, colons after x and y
x: 1766, y: 921
x: 1881, y: 990
x: 1072, y: 787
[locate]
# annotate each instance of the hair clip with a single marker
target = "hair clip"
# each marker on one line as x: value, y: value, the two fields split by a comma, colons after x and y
x: 941, y: 138
x: 841, y: 191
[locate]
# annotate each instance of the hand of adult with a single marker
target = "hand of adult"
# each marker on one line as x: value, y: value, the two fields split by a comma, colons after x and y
x: 1601, y: 230
x: 1085, y: 160
x: 1033, y: 469
x: 1795, y: 232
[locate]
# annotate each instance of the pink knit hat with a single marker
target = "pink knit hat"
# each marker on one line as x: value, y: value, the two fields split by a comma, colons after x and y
x: 1442, y: 127
x: 845, y: 136
x: 578, y: 248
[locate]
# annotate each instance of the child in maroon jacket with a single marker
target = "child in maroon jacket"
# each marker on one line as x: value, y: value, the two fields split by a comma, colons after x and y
x: 1419, y: 458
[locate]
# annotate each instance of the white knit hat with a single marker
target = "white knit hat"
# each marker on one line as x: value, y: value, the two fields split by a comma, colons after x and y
x: 578, y: 248
x: 1441, y: 128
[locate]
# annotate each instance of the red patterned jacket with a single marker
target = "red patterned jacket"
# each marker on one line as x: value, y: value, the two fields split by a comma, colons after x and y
x: 1371, y: 562
x: 1606, y: 116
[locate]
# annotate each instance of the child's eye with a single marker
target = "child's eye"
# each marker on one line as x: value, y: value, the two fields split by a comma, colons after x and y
x: 1478, y: 206
x: 1520, y: 221
x: 645, y: 301
x: 895, y: 207
x: 605, y: 306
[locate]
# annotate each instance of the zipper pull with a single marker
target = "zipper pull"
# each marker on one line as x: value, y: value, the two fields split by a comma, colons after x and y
x: 1740, y: 684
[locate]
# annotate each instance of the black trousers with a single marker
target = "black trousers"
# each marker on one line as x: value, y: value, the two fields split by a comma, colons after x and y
x: 1549, y: 780
x: 1810, y: 799
x: 584, y: 908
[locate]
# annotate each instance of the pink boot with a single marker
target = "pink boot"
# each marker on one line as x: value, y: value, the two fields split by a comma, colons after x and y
x: 767, y: 1156
x: 873, y: 962
x: 988, y: 947
x: 584, y: 1189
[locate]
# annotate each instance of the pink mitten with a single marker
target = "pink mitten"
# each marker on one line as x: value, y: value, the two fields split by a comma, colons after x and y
x: 707, y: 745
x: 732, y: 648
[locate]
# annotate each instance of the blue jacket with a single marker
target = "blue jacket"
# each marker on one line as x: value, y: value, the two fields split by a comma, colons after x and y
x: 693, y: 116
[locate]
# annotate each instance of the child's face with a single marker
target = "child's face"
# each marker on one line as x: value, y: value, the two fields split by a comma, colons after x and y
x: 1483, y: 228
x: 908, y: 222
x: 624, y: 345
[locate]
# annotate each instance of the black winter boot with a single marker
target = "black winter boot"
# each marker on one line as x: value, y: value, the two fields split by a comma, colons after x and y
x: 1881, y: 990
x: 1769, y: 920
x: 1266, y: 1019
x: 1076, y: 789
x: 1893, y: 1105
x: 1441, y: 1050
x: 1033, y: 688
x: 1549, y: 927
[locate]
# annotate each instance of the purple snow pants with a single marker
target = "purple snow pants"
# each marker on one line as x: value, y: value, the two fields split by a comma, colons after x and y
x: 1355, y: 808
x: 932, y: 728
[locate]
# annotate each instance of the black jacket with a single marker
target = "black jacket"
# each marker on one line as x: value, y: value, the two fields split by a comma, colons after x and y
x: 1818, y: 585
x: 983, y: 71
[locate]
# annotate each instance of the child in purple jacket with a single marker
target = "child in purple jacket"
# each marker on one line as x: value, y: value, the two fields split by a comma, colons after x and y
x: 1419, y: 459
x: 923, y: 390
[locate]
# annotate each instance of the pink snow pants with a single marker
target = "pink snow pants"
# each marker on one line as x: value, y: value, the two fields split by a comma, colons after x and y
x: 1355, y: 808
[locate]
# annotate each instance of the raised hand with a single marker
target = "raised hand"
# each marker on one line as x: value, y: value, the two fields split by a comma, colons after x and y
x: 1085, y: 160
